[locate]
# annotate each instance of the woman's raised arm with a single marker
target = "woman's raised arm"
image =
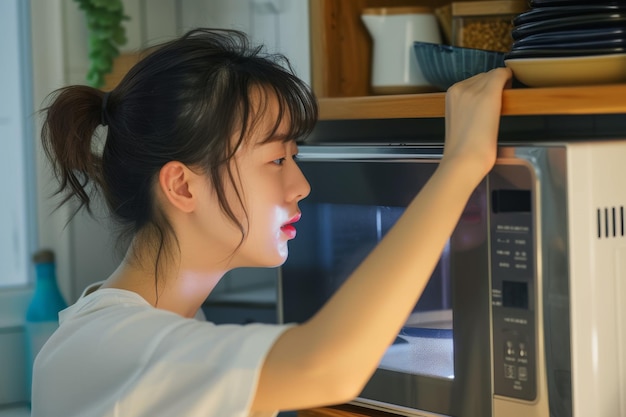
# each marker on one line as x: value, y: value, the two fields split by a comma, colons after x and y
x: 328, y: 359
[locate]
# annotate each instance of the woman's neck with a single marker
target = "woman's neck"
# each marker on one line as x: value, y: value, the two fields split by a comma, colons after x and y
x: 177, y: 287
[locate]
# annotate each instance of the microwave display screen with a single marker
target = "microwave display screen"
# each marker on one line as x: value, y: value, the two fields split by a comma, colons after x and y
x: 515, y: 294
x: 510, y: 201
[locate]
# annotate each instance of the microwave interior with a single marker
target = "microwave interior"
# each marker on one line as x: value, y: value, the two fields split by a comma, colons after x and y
x: 352, y: 205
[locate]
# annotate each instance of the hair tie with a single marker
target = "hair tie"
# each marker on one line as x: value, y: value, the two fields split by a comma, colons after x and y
x: 103, y: 112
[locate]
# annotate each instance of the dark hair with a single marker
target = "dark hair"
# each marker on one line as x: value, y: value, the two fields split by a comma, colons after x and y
x: 184, y: 101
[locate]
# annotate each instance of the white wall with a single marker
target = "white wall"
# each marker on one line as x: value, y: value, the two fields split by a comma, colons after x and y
x: 16, y: 241
x: 18, y: 230
x: 281, y: 25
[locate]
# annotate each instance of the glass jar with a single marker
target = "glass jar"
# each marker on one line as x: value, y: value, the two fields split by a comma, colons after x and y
x: 485, y: 24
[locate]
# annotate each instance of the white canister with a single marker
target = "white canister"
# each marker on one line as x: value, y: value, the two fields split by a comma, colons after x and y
x: 393, y: 31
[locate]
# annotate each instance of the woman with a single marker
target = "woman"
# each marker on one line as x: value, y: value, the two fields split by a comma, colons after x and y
x: 199, y: 167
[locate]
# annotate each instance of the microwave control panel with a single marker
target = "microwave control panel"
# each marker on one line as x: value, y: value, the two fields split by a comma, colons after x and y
x: 513, y: 284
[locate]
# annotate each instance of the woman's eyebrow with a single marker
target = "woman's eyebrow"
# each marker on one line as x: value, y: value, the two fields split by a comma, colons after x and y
x: 277, y: 137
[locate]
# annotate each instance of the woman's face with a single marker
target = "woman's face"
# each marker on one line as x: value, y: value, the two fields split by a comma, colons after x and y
x: 270, y: 184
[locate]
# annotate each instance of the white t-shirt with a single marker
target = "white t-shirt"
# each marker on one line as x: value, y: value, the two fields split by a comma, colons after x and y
x: 114, y: 355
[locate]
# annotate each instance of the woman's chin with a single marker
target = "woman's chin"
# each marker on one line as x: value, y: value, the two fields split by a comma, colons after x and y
x: 272, y: 261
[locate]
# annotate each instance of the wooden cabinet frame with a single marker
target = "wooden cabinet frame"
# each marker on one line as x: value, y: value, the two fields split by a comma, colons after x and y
x: 341, y: 46
x: 341, y: 56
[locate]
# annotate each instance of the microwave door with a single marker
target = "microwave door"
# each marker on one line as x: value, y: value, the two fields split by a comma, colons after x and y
x: 440, y: 360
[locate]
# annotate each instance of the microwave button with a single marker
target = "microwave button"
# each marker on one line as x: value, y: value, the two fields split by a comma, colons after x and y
x: 522, y: 350
x: 522, y: 373
x: 510, y: 372
x: 509, y: 350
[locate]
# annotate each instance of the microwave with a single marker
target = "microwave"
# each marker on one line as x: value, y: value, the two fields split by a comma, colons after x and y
x: 525, y: 312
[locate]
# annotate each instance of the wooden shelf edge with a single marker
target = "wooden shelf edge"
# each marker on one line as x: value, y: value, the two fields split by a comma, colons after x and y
x: 383, y: 107
x: 600, y: 99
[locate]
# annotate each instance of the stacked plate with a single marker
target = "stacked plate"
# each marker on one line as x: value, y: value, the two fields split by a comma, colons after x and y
x: 569, y: 42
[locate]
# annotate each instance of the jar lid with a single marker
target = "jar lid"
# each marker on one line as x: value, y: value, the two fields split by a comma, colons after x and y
x: 397, y: 10
x: 43, y: 256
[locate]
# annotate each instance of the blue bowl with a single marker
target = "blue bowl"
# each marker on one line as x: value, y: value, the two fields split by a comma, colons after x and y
x: 444, y: 65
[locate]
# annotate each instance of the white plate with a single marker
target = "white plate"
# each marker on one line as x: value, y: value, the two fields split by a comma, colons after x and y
x: 569, y: 71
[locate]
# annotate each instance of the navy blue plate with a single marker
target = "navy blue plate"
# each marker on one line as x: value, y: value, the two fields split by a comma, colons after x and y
x: 603, y: 44
x: 550, y: 3
x: 570, y: 23
x: 561, y: 53
x: 573, y: 36
x: 546, y: 13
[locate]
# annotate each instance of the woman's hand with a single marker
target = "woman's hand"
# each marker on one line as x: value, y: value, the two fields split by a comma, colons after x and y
x: 473, y: 109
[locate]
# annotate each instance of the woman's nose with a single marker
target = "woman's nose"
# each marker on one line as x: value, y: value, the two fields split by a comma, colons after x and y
x: 299, y: 187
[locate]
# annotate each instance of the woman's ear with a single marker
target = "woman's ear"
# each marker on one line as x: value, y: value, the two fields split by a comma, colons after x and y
x: 175, y: 182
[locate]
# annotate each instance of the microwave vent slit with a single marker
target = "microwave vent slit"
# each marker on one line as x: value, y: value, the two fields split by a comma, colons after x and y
x: 610, y: 222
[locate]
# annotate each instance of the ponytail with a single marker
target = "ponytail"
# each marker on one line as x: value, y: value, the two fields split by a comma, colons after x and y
x: 67, y: 134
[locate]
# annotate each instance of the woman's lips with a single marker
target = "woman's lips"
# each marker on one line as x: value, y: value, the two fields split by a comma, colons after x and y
x: 288, y: 228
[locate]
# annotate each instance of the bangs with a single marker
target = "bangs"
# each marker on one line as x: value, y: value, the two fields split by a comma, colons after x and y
x: 297, y: 103
x: 296, y: 106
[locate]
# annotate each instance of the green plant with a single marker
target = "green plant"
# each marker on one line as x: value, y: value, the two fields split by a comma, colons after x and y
x: 106, y: 33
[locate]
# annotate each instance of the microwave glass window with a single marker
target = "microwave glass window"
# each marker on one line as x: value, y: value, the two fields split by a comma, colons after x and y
x: 425, y: 344
x: 345, y: 235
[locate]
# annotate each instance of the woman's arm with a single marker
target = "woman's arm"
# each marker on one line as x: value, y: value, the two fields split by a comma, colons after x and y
x: 328, y: 359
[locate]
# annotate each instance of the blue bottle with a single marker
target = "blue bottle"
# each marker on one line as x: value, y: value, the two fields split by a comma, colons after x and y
x: 42, y: 315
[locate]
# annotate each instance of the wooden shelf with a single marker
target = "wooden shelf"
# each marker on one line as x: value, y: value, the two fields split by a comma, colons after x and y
x: 341, y: 57
x: 601, y: 99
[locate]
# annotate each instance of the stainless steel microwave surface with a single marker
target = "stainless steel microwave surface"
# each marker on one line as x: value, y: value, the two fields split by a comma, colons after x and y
x: 524, y: 314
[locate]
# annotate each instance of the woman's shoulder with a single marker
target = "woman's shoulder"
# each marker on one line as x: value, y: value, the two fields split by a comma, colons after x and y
x: 115, y: 316
x: 95, y: 300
